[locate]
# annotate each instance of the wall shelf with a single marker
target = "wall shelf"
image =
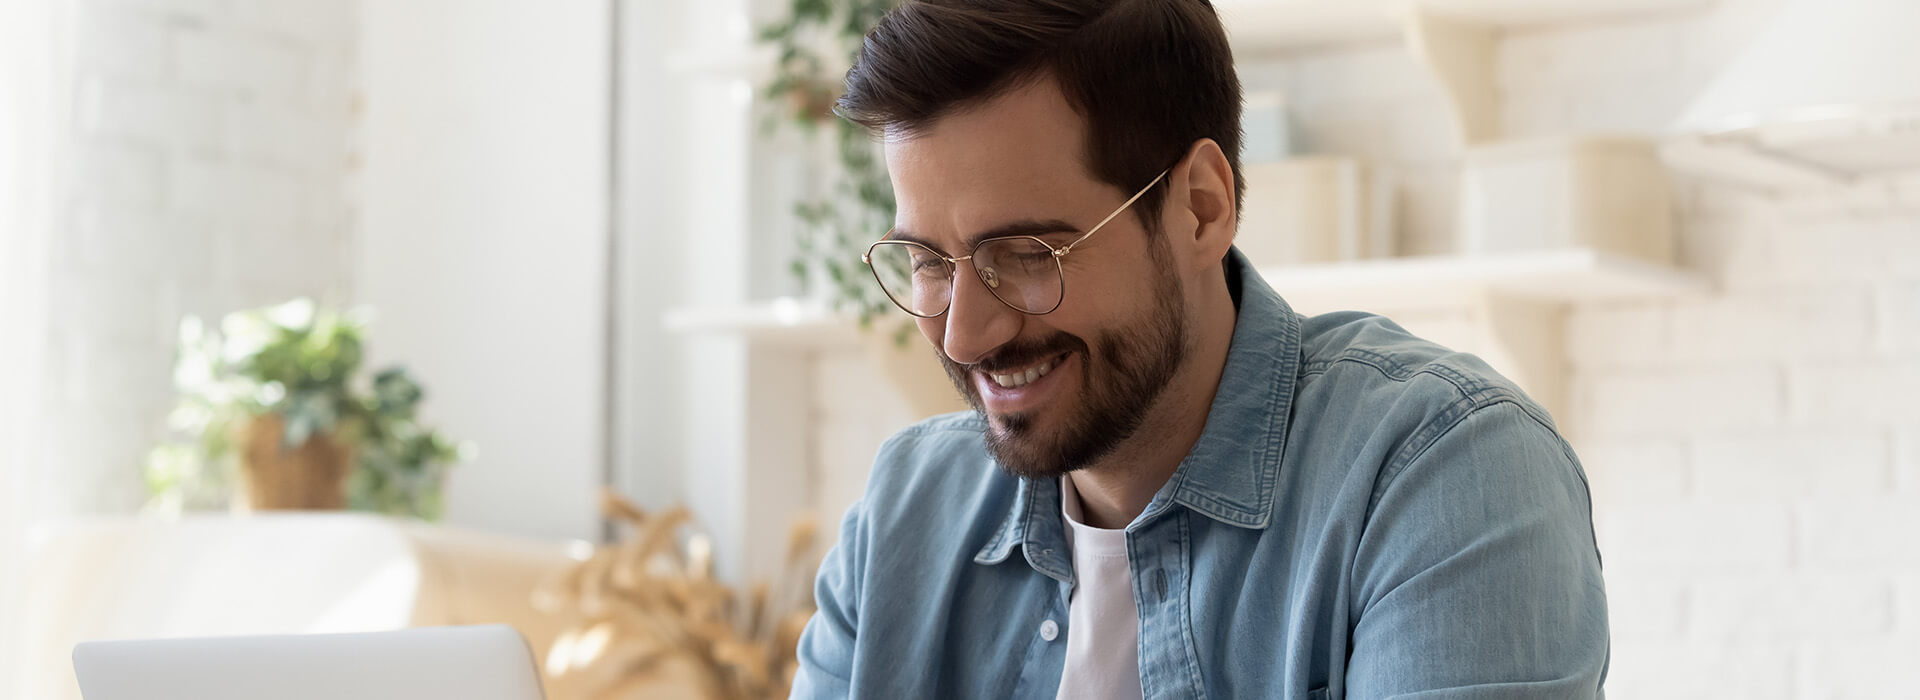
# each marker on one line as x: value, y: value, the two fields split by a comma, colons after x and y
x: 1797, y: 157
x: 1515, y: 301
x: 1277, y: 26
x: 782, y: 322
x: 1394, y: 284
x: 752, y: 62
x: 1441, y: 282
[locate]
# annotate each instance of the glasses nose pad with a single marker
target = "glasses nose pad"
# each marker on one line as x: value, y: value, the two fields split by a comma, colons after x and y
x: 990, y: 277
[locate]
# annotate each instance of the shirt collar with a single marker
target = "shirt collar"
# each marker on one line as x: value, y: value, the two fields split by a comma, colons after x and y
x: 1233, y: 470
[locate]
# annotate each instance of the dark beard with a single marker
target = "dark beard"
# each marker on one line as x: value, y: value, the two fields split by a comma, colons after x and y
x: 1125, y: 372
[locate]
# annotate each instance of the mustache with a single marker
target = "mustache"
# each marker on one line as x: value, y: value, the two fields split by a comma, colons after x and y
x: 1023, y: 353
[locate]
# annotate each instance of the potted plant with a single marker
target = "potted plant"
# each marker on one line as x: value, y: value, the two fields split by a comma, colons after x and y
x: 274, y: 401
x: 815, y: 44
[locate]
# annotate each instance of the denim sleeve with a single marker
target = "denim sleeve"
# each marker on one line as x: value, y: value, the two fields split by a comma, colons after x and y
x: 1477, y: 575
x: 826, y: 650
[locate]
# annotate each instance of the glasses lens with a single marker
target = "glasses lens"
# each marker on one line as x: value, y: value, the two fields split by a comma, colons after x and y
x: 1022, y: 272
x: 913, y: 276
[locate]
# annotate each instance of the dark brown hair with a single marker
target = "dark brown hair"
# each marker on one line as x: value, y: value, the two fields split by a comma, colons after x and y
x: 1150, y: 77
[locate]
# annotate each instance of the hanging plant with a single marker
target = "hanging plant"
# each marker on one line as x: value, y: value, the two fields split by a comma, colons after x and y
x: 815, y: 44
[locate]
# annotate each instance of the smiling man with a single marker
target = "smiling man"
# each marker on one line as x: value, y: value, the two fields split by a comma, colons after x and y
x: 1171, y: 485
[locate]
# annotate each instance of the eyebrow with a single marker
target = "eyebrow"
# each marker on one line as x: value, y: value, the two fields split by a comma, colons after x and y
x: 1023, y: 227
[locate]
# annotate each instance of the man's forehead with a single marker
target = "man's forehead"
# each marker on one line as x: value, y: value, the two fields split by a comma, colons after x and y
x: 1016, y: 156
x: 1028, y: 127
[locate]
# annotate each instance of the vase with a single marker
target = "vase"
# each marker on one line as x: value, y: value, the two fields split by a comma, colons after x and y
x: 273, y: 476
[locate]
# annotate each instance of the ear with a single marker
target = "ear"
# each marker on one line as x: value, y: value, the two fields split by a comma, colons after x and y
x: 1200, y: 196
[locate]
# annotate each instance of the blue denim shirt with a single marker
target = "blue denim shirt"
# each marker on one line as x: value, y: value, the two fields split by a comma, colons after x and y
x: 1366, y: 515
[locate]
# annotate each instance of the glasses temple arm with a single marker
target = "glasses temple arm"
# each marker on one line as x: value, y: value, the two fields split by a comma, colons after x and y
x: 1068, y: 248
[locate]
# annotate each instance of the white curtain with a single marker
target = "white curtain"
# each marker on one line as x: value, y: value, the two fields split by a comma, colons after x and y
x: 34, y: 81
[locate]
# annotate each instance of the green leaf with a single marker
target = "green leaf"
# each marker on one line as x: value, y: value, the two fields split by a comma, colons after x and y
x: 777, y: 31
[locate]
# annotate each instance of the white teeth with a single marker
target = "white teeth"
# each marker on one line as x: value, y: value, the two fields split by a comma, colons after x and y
x: 1020, y: 379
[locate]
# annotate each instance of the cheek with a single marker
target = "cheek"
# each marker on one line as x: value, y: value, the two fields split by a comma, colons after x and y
x: 1108, y: 310
x: 1092, y: 299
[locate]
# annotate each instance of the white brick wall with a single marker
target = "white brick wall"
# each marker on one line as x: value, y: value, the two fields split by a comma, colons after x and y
x: 1906, y: 601
x: 1906, y: 463
x: 212, y: 144
x: 1754, y: 454
x: 1898, y: 306
x: 1873, y: 391
x: 1665, y: 669
x: 1640, y: 471
x: 1669, y: 402
x: 1868, y: 535
x: 1787, y: 609
x: 1618, y: 337
x: 1799, y: 322
x: 1771, y: 466
x: 1881, y: 666
x: 1797, y: 541
x: 1696, y: 538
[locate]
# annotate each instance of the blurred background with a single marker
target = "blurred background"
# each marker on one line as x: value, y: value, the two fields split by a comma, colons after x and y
x: 327, y: 315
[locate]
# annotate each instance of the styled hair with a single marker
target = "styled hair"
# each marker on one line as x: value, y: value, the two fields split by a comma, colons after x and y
x: 1150, y: 77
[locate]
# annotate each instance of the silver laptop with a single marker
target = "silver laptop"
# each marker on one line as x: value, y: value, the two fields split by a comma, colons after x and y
x: 489, y: 662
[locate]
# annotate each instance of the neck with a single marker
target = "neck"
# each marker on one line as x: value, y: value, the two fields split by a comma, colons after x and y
x: 1117, y: 488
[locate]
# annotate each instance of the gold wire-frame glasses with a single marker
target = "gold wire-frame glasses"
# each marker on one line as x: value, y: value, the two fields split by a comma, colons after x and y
x: 1023, y: 272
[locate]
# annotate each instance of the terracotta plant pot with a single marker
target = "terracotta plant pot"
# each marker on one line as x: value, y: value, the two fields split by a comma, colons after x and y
x: 312, y: 476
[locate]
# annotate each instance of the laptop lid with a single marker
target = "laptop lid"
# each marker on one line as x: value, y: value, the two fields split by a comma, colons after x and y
x: 488, y: 662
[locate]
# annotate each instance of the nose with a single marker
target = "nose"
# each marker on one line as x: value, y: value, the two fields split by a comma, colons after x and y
x: 976, y: 322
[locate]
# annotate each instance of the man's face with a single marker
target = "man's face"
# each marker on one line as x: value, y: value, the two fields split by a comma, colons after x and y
x: 1120, y: 333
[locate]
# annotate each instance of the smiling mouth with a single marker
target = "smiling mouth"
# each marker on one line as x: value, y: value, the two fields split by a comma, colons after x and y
x: 1019, y: 378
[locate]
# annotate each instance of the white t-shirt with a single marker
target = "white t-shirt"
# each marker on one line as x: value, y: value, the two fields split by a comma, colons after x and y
x: 1103, y: 648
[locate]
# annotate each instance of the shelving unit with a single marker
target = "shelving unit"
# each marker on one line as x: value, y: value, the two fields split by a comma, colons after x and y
x: 1514, y: 300
x: 1394, y: 284
x: 1453, y: 40
x: 1824, y: 97
x: 798, y: 394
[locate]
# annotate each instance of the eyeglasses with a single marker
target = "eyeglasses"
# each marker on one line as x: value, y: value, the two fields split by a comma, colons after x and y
x: 1023, y: 272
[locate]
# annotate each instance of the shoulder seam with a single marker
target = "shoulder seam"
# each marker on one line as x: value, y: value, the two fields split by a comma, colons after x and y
x: 1449, y: 419
x: 1465, y: 388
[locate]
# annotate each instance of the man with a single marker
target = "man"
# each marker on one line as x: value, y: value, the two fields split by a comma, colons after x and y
x: 1172, y: 485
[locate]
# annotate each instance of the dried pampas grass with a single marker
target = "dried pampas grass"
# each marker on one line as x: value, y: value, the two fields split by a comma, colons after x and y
x: 655, y: 623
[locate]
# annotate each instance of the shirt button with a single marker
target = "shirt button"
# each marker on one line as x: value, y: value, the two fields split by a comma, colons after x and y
x: 1049, y: 631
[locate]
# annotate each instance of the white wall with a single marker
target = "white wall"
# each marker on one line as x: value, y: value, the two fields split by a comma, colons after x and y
x: 171, y: 157
x: 722, y: 471
x: 1754, y: 454
x: 483, y: 227
x: 31, y: 83
x: 206, y: 147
